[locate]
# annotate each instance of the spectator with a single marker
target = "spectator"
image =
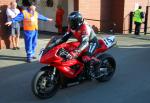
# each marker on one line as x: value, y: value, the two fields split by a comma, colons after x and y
x: 30, y: 25
x: 137, y: 18
x: 59, y: 18
x: 12, y: 12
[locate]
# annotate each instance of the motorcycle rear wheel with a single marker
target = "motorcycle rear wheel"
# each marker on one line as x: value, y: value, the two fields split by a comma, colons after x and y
x: 107, y: 62
x: 42, y: 86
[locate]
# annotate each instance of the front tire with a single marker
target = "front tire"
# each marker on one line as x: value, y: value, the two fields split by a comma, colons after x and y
x: 108, y: 63
x: 42, y: 85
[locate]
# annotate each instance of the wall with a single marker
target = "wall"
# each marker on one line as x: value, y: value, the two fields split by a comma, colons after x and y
x: 70, y: 6
x: 65, y: 7
x: 107, y: 12
x: 4, y: 35
x: 51, y: 13
x: 130, y: 5
x: 48, y: 12
x: 90, y: 9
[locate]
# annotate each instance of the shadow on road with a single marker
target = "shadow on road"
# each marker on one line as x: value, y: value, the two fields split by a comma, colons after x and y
x: 12, y: 58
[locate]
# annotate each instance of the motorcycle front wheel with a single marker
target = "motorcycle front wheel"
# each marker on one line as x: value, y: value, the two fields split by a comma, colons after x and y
x: 45, y: 83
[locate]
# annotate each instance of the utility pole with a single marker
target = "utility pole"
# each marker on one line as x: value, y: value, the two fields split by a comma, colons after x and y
x: 146, y: 17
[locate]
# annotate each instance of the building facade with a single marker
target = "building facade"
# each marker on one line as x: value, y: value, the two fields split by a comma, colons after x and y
x: 4, y: 36
x: 102, y: 15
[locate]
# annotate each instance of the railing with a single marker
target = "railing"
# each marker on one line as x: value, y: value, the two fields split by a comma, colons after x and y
x: 103, y: 24
x: 92, y: 19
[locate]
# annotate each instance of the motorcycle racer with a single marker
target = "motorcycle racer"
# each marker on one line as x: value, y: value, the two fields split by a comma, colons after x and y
x: 83, y: 33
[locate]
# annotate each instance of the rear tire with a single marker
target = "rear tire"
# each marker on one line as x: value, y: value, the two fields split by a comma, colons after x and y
x: 42, y: 86
x: 109, y: 63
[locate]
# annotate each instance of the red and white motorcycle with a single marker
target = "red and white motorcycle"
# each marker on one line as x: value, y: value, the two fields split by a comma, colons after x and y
x: 61, y: 72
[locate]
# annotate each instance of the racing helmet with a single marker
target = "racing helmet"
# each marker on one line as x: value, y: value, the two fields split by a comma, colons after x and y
x: 75, y: 20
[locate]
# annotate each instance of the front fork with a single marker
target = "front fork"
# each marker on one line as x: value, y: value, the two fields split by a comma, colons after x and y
x: 53, y: 74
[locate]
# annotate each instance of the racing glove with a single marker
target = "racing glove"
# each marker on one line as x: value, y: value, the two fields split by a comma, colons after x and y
x: 74, y: 54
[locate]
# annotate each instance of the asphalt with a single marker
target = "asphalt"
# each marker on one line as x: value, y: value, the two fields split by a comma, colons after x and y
x: 130, y: 84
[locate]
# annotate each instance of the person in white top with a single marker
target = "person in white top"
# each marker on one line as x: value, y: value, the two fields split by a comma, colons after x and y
x: 12, y: 12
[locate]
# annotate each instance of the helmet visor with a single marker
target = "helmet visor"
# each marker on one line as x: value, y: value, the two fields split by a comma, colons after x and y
x: 73, y: 23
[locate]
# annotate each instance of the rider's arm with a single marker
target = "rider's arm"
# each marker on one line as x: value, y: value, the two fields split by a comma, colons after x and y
x: 84, y: 43
x: 62, y: 40
x: 85, y: 32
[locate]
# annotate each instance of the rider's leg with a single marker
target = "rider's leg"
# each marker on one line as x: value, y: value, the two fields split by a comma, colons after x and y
x: 92, y: 47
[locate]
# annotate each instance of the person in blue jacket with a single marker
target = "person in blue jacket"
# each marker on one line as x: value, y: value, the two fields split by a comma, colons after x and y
x: 30, y: 25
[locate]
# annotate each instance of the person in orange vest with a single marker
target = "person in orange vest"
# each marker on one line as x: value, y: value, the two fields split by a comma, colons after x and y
x: 30, y: 19
x: 59, y: 18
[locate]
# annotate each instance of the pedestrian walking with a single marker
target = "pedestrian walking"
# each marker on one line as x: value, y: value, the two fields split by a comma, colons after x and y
x: 30, y: 19
x: 12, y: 12
x: 138, y: 20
